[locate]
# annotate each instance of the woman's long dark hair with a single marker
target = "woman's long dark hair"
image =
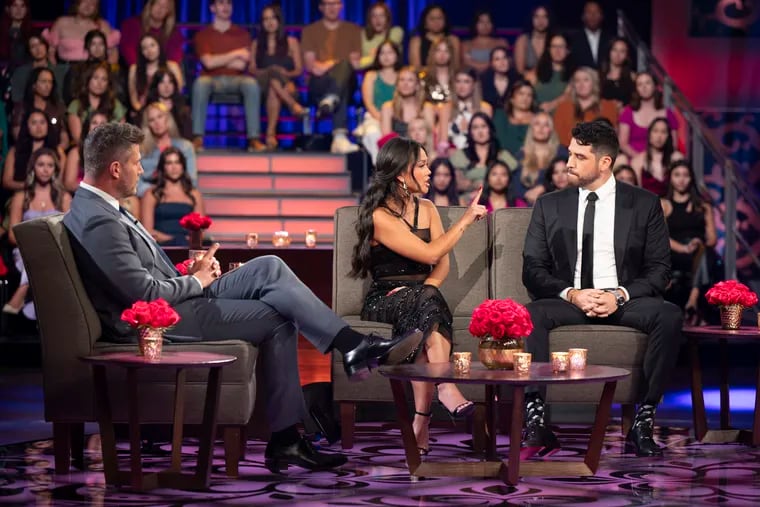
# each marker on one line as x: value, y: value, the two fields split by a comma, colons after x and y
x: 29, y: 89
x: 107, y: 102
x: 385, y: 191
x: 158, y: 76
x: 636, y: 99
x: 420, y: 30
x: 399, y: 57
x: 522, y: 83
x: 451, y: 192
x: 141, y: 76
x: 281, y: 38
x: 56, y: 189
x: 549, y: 173
x: 667, y: 149
x: 544, y: 68
x: 25, y: 143
x: 625, y: 69
x: 486, y: 195
x: 187, y: 184
x: 696, y: 199
x: 493, y: 144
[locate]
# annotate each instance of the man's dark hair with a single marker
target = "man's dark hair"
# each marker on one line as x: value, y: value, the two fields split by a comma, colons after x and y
x: 109, y: 143
x: 600, y: 135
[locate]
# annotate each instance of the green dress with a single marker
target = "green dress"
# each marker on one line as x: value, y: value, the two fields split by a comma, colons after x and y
x: 546, y: 92
x: 511, y: 136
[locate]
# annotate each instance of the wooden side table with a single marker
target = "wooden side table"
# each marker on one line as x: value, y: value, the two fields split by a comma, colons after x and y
x: 180, y: 362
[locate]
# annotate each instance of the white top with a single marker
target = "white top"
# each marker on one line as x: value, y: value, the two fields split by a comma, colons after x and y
x: 593, y: 42
x: 113, y: 201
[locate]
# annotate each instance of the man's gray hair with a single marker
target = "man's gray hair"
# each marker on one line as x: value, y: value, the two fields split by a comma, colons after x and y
x: 107, y: 144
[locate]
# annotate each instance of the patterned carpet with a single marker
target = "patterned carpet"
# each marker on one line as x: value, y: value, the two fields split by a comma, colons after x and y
x: 376, y: 475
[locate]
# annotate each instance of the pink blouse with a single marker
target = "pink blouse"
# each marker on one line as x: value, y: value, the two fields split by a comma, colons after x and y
x: 638, y: 138
x: 71, y: 49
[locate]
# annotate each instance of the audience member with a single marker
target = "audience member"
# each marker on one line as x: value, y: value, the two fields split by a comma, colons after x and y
x: 224, y: 50
x: 378, y: 88
x: 432, y: 26
x: 553, y: 72
x: 68, y: 32
x: 512, y: 122
x: 465, y: 101
x: 584, y: 104
x: 496, y: 185
x: 150, y: 58
x: 646, y: 105
x: 73, y: 169
x: 332, y: 52
x: 41, y: 93
x: 476, y: 52
x: 159, y: 19
x: 617, y: 73
x: 438, y: 75
x: 443, y: 184
x: 531, y: 44
x: 164, y: 88
x: 652, y: 164
x: 555, y: 176
x: 626, y: 174
x: 37, y: 48
x: 407, y: 104
x: 96, y: 46
x: 498, y: 78
x: 378, y: 29
x: 172, y: 197
x: 15, y: 30
x: 35, y: 133
x: 591, y: 42
x: 421, y: 131
x: 96, y: 94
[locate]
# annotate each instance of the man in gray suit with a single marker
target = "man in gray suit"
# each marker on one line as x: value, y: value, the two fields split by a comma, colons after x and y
x: 262, y: 302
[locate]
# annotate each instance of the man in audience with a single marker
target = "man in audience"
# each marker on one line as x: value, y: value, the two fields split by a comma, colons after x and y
x: 599, y: 253
x: 332, y: 52
x: 590, y: 46
x: 262, y: 301
x: 224, y: 50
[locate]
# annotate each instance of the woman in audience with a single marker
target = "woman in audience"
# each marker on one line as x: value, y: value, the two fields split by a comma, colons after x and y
x: 691, y: 226
x: 276, y: 62
x: 512, y: 122
x: 378, y: 87
x: 496, y: 184
x: 465, y: 101
x: 67, y: 33
x: 96, y: 95
x: 158, y: 18
x: 96, y: 46
x: 443, y: 184
x: 73, y: 169
x: 555, y: 176
x: 378, y: 29
x: 421, y: 131
x: 41, y: 93
x: 36, y: 132
x: 150, y: 58
x: 553, y: 72
x: 160, y: 134
x: 173, y: 197
x: 531, y: 45
x: 584, y: 104
x: 164, y: 88
x: 407, y: 104
x: 652, y: 164
x: 626, y: 174
x: 433, y: 26
x: 476, y: 52
x: 15, y: 29
x: 402, y: 245
x: 498, y: 78
x: 617, y: 73
x: 438, y: 75
x: 41, y: 195
x: 635, y: 119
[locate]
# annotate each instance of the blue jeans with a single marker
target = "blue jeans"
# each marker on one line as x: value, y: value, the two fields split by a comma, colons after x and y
x: 245, y: 85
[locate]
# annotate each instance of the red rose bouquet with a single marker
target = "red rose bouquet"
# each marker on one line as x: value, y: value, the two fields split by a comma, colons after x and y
x: 731, y: 292
x: 501, y: 319
x: 184, y: 266
x: 195, y: 222
x: 157, y: 314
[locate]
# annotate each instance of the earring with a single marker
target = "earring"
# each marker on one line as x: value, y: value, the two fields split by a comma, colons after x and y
x: 403, y: 185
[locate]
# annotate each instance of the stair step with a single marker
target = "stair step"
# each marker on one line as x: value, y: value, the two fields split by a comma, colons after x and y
x: 274, y: 163
x: 216, y: 182
x: 274, y: 206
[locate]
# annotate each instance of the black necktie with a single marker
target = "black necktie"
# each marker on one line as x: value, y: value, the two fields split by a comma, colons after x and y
x: 144, y: 232
x: 587, y: 246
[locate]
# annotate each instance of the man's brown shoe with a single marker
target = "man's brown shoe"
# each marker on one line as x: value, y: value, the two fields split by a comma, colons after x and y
x: 254, y: 145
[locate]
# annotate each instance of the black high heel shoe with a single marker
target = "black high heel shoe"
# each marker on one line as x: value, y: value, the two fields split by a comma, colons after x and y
x: 464, y: 409
x: 424, y: 451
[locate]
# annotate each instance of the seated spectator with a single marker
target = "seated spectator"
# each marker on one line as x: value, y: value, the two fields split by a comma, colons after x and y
x: 626, y: 174
x: 41, y: 195
x: 37, y: 48
x: 378, y: 29
x: 498, y: 79
x: 150, y: 58
x: 438, y: 75
x: 332, y: 52
x: 15, y: 30
x: 691, y: 227
x: 635, y: 119
x: 96, y: 46
x: 512, y: 122
x: 433, y: 25
x: 555, y: 176
x: 476, y: 52
x: 496, y: 188
x: 465, y: 101
x: 96, y: 94
x: 172, y: 197
x: 553, y: 72
x: 158, y: 18
x: 276, y: 62
x: 481, y: 151
x: 73, y: 169
x: 651, y: 165
x: 590, y: 43
x: 41, y: 93
x: 531, y: 44
x: 160, y: 134
x: 36, y: 132
x: 617, y: 74
x: 421, y: 131
x: 584, y: 104
x: 378, y: 88
x: 407, y: 104
x: 224, y: 50
x: 164, y: 88
x: 443, y: 184
x: 68, y: 32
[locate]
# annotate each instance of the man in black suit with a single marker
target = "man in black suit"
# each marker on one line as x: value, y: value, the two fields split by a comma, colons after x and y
x: 590, y: 45
x: 262, y: 301
x: 620, y: 282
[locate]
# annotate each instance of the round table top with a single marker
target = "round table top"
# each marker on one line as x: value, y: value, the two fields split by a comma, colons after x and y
x: 185, y: 359
x: 744, y: 332
x: 540, y: 373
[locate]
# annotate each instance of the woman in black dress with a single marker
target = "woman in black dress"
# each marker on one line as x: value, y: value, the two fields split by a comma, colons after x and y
x: 403, y: 246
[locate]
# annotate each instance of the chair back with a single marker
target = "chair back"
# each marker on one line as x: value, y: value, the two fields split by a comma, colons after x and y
x: 508, y: 230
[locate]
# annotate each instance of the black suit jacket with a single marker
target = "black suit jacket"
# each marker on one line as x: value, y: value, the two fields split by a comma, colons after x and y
x: 642, y: 247
x: 581, y: 51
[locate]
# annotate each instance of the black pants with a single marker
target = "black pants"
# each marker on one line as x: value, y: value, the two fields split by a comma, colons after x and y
x: 657, y: 318
x: 340, y: 80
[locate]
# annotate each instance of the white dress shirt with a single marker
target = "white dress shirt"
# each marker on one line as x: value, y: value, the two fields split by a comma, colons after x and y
x: 593, y: 42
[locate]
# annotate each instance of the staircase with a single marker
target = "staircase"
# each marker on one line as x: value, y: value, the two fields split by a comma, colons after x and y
x: 271, y: 192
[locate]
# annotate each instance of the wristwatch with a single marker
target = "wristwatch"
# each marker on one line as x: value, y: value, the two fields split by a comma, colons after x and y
x: 619, y: 296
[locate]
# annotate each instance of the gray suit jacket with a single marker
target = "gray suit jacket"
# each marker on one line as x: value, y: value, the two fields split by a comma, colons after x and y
x: 119, y: 264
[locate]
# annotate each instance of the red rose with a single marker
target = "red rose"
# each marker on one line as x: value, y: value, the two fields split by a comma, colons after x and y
x: 154, y: 314
x: 731, y: 292
x: 195, y: 222
x: 500, y: 318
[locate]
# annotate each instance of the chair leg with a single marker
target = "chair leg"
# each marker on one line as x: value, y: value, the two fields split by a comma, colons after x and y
x: 232, y: 449
x: 62, y: 447
x: 77, y: 445
x: 347, y: 423
x: 628, y: 413
x: 479, y: 428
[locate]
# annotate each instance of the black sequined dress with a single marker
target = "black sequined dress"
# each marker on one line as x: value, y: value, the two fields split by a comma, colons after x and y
x: 415, y: 305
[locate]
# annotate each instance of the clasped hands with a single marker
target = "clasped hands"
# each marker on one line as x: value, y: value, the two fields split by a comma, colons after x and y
x: 206, y: 269
x: 593, y: 302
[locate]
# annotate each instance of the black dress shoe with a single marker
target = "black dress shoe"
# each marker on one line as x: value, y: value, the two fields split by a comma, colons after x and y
x: 538, y: 440
x: 376, y: 350
x: 639, y: 440
x: 302, y: 453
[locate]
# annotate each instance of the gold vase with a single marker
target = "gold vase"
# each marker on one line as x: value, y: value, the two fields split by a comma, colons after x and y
x: 731, y: 316
x: 499, y: 354
x: 196, y: 239
x: 151, y: 342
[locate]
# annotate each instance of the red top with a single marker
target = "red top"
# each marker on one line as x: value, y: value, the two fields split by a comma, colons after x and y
x: 168, y: 359
x: 211, y: 41
x: 131, y: 31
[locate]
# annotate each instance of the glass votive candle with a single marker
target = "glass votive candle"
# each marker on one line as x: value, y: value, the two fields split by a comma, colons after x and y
x: 311, y: 238
x: 462, y: 362
x: 522, y: 361
x: 196, y: 254
x: 559, y: 361
x: 280, y: 239
x: 758, y: 319
x: 234, y: 265
x: 252, y: 239
x: 577, y: 358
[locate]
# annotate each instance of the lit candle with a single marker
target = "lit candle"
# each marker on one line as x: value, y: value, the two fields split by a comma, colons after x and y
x: 578, y: 358
x: 233, y: 265
x: 280, y: 239
x: 559, y: 361
x: 462, y: 362
x: 252, y: 239
x: 522, y: 361
x: 311, y: 238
